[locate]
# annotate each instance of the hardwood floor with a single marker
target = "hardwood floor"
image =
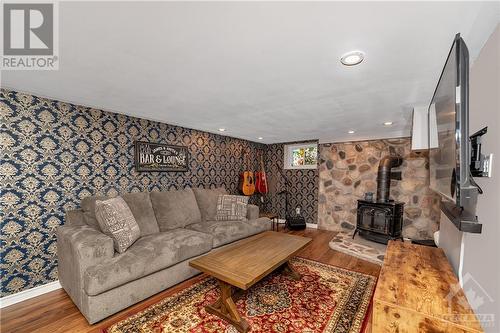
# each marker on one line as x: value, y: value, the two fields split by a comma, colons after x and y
x: 55, y: 312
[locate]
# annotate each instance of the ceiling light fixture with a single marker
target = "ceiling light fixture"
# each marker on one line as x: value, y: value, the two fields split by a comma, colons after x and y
x: 222, y: 129
x: 260, y: 138
x: 352, y: 58
x: 350, y: 132
x: 388, y: 123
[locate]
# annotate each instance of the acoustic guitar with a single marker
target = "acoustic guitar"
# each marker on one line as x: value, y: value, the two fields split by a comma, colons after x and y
x: 260, y: 179
x: 247, y: 183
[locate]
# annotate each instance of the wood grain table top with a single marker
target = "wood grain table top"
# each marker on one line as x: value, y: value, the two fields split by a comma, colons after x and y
x: 421, y: 280
x: 245, y: 262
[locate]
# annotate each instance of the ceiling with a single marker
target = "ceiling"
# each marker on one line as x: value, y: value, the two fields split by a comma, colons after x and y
x: 259, y: 69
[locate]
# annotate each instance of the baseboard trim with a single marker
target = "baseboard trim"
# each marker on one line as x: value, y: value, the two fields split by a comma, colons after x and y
x: 308, y: 225
x: 30, y: 293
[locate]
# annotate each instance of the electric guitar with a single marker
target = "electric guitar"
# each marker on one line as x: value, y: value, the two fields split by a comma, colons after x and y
x: 260, y: 179
x: 247, y: 183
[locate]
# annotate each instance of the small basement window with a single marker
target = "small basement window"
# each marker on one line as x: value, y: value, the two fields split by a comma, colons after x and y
x: 301, y: 156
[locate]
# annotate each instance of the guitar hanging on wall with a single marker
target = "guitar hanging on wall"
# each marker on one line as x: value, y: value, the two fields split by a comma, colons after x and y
x: 246, y: 184
x: 260, y: 178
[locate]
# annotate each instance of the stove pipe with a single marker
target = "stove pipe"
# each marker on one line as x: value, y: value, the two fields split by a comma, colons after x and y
x: 384, y: 176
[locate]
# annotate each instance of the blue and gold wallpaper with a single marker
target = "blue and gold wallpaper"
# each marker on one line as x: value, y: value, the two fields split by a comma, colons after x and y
x: 56, y: 153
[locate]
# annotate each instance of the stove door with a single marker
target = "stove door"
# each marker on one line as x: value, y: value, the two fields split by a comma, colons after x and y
x: 376, y: 219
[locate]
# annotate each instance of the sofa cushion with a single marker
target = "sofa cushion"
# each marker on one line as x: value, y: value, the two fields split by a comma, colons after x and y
x: 224, y: 232
x: 141, y: 207
x: 139, y: 203
x: 260, y: 225
x: 231, y: 207
x: 147, y: 255
x: 88, y: 206
x: 175, y: 209
x: 207, y: 201
x: 252, y: 212
x: 117, y: 221
x: 74, y: 218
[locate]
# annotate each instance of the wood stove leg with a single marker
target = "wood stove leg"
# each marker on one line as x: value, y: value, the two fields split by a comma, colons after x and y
x: 225, y: 308
x: 354, y: 235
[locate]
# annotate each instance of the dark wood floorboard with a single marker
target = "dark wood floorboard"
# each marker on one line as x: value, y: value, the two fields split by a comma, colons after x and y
x: 55, y: 312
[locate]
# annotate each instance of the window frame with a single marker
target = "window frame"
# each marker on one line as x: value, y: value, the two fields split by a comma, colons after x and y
x: 288, y: 156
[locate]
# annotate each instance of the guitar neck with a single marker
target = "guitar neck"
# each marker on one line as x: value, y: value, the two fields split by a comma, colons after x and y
x: 244, y: 154
x: 262, y: 164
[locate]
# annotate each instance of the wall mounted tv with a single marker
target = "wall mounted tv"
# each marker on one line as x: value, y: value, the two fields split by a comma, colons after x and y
x: 449, y: 149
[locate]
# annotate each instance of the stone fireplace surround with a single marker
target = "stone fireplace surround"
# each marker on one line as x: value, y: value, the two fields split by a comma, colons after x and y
x: 347, y: 170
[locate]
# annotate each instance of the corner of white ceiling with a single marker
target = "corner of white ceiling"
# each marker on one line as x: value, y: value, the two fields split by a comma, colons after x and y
x: 487, y: 19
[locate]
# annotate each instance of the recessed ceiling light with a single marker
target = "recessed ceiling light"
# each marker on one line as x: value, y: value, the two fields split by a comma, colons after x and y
x: 350, y: 132
x: 352, y: 58
x: 388, y: 123
x: 222, y: 129
x: 260, y: 138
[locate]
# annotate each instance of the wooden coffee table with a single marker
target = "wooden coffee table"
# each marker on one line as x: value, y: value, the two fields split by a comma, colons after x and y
x: 244, y: 263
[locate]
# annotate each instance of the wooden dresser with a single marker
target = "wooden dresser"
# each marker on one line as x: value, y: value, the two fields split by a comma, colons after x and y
x: 417, y: 291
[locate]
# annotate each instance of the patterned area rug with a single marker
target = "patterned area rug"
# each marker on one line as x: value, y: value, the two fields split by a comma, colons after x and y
x: 359, y: 247
x: 326, y: 299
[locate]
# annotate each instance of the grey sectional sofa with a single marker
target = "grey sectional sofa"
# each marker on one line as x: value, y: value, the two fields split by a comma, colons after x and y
x: 176, y: 226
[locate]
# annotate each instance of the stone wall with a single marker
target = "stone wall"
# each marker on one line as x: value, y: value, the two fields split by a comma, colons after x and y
x: 348, y: 170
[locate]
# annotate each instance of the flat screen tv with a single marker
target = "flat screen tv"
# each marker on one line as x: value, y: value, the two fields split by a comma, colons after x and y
x: 449, y: 149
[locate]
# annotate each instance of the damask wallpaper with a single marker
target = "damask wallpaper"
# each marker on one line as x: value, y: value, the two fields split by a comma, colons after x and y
x: 55, y: 153
x: 303, y: 189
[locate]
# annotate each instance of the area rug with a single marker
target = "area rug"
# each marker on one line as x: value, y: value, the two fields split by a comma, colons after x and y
x: 325, y: 299
x: 358, y: 247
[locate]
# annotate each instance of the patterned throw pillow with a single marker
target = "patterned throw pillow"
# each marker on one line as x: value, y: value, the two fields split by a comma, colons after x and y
x: 116, y: 220
x: 231, y: 207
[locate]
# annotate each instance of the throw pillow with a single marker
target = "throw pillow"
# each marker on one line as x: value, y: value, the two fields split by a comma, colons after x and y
x: 231, y: 207
x: 117, y: 221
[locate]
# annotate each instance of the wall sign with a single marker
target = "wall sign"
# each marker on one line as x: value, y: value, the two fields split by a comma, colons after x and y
x: 160, y: 157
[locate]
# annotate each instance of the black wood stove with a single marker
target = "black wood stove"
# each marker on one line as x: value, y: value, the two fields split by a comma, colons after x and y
x: 382, y: 220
